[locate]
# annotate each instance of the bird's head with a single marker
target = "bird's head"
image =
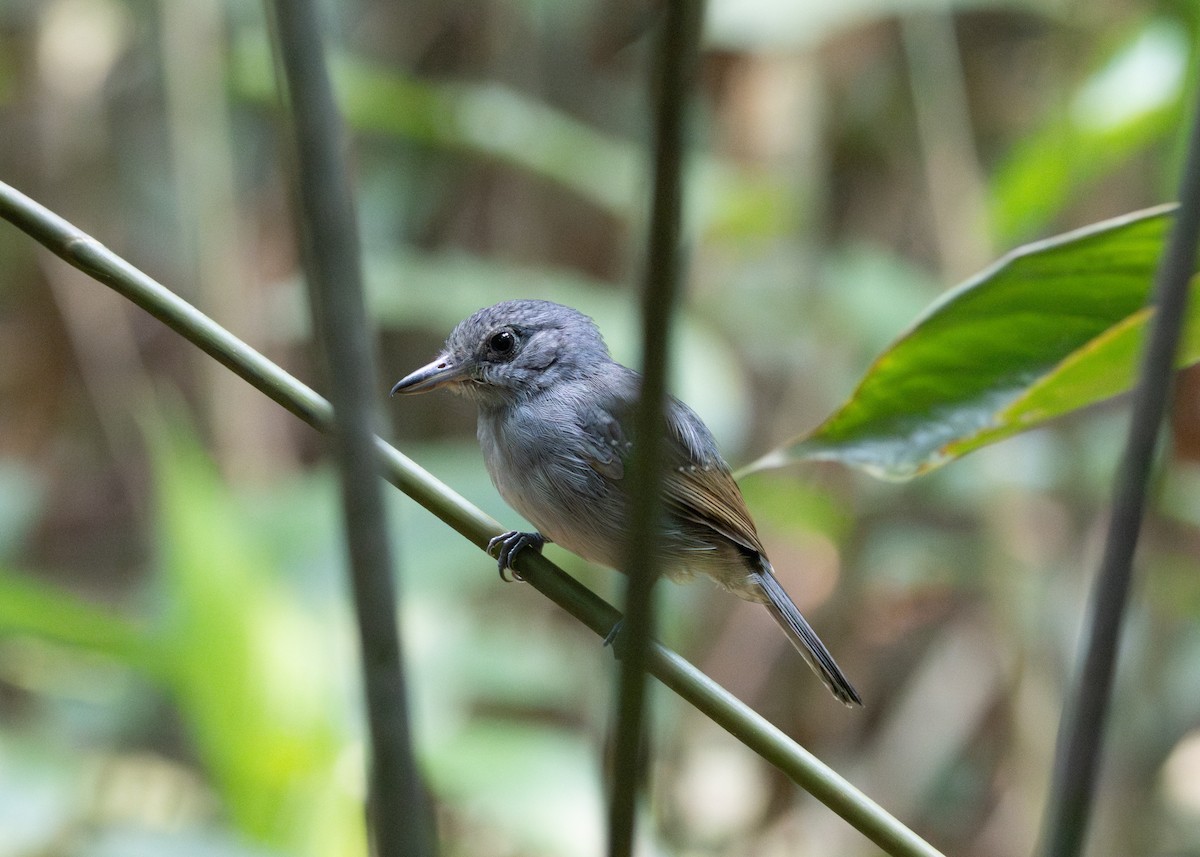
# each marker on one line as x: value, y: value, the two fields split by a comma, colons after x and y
x: 511, y: 350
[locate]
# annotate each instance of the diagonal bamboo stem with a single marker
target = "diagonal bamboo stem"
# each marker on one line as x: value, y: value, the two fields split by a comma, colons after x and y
x: 93, y: 258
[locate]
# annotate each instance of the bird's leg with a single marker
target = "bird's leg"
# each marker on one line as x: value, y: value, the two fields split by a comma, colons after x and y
x: 615, y: 638
x: 506, y: 547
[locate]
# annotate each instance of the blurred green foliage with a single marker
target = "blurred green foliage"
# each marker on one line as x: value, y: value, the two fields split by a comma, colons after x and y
x: 253, y: 673
x: 1129, y: 104
x: 176, y: 665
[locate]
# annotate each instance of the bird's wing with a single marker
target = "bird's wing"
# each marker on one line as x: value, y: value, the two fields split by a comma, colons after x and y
x: 606, y: 444
x: 698, y: 486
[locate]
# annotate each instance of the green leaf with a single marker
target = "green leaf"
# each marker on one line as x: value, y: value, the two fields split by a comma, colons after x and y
x: 31, y: 608
x: 254, y: 674
x: 1054, y: 326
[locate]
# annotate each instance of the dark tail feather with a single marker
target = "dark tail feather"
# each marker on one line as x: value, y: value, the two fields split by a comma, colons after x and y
x: 806, y: 641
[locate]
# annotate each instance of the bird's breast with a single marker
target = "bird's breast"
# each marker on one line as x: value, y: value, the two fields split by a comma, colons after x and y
x: 536, y: 463
x: 543, y: 467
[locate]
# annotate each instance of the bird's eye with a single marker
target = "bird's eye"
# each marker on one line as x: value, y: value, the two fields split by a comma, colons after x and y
x: 503, y: 344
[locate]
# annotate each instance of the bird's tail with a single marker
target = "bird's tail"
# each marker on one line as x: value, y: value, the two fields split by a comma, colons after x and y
x: 805, y: 639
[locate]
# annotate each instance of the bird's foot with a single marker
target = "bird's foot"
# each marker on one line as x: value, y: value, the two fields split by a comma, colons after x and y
x: 506, y: 547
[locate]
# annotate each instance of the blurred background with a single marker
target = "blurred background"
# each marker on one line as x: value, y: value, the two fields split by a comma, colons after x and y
x: 177, y: 664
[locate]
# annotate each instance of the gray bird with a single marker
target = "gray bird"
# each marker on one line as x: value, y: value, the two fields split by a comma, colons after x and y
x: 554, y: 424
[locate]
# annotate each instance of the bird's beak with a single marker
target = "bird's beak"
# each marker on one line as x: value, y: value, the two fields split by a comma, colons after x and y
x: 439, y: 373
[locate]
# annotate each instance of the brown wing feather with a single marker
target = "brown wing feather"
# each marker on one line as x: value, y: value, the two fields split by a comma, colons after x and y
x: 707, y: 495
x: 698, y: 485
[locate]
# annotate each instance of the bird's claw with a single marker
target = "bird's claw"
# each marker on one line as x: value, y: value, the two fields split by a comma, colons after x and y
x: 616, y: 639
x: 505, y: 548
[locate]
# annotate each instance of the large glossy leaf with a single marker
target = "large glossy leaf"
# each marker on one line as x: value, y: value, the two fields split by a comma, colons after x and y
x: 1052, y: 327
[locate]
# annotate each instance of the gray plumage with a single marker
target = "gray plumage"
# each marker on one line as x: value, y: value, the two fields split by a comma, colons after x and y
x: 554, y: 424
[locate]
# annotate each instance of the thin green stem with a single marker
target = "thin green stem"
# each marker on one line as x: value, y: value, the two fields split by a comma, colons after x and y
x: 1081, y: 733
x: 401, y: 819
x: 91, y: 257
x: 678, y: 39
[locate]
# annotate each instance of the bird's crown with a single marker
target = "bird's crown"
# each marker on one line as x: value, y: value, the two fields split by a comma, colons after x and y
x: 519, y: 347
